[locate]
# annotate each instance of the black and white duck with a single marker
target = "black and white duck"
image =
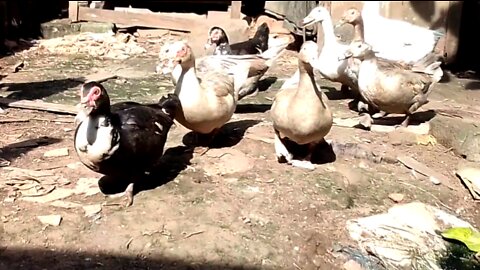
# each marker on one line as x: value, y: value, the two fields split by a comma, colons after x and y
x: 217, y: 37
x: 125, y: 140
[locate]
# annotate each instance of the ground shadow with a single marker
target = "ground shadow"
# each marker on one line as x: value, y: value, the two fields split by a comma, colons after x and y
x: 333, y: 94
x: 174, y: 161
x: 229, y: 135
x: 252, y: 108
x: 14, y: 258
x: 322, y: 153
x: 472, y: 85
x: 14, y: 150
x: 39, y: 90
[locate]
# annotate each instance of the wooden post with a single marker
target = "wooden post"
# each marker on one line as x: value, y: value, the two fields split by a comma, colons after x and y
x: 236, y: 9
x: 73, y: 10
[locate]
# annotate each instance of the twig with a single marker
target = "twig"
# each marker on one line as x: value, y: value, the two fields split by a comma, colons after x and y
x: 433, y: 196
x: 127, y: 245
x: 13, y: 120
x: 296, y: 266
x: 40, y: 194
x: 192, y: 234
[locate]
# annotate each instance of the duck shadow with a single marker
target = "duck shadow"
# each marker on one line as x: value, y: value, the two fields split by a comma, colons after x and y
x: 229, y: 135
x: 264, y: 84
x: 39, y: 90
x: 323, y: 152
x: 172, y: 163
x: 252, y: 108
x: 415, y: 119
x: 14, y: 150
x: 333, y: 94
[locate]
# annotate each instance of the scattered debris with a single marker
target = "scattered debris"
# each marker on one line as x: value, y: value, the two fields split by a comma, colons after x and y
x: 92, y: 210
x: 426, y: 139
x: 108, y: 45
x: 471, y: 178
x: 405, y: 236
x: 87, y: 186
x: 14, y: 120
x: 396, y: 197
x: 57, y: 194
x: 18, y: 66
x: 192, y: 234
x: 4, y: 162
x: 60, y: 152
x: 435, y: 177
x: 65, y: 204
x: 468, y: 236
x: 53, y: 220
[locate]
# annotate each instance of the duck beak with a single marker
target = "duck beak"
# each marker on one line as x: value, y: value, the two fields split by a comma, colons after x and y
x: 307, y: 21
x: 346, y: 55
x: 340, y: 23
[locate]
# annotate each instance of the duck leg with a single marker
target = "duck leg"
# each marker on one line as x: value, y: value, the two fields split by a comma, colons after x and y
x: 406, y: 121
x: 366, y: 120
x: 127, y: 195
x: 281, y: 151
x: 306, y: 163
x: 203, y: 142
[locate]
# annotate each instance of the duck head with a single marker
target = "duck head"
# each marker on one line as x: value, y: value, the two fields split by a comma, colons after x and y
x: 216, y: 36
x: 359, y: 50
x: 174, y: 54
x: 94, y: 98
x: 351, y: 16
x: 318, y: 14
x: 308, y: 53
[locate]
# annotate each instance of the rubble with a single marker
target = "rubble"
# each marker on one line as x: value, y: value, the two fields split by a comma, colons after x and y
x: 108, y: 45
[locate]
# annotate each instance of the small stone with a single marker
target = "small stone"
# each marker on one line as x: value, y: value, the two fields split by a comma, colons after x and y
x: 352, y: 265
x: 91, y: 210
x: 396, y: 197
x: 53, y: 220
x: 61, y: 152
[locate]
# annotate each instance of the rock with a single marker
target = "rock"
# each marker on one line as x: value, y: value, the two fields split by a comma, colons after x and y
x: 471, y: 178
x: 60, y: 152
x: 57, y: 194
x: 462, y: 136
x: 396, y: 197
x: 53, y: 220
x: 65, y: 204
x: 91, y: 210
x: 87, y: 186
x: 352, y: 265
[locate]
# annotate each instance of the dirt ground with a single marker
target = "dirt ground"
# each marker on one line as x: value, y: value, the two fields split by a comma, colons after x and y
x: 233, y: 208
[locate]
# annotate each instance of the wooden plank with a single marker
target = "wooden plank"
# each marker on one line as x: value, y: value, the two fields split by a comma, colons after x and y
x: 236, y: 9
x: 155, y: 20
x: 40, y: 106
x: 73, y: 10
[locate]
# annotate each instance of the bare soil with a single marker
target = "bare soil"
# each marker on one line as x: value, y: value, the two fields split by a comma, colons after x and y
x: 235, y: 207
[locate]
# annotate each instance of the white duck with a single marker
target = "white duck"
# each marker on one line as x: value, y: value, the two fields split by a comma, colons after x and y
x: 206, y: 104
x: 396, y: 40
x: 301, y: 114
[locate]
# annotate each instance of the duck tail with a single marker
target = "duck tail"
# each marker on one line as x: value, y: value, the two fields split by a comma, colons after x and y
x: 170, y: 104
x: 435, y: 71
x: 272, y: 54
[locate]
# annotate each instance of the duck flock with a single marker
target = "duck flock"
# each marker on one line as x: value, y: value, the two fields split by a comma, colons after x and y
x: 389, y: 67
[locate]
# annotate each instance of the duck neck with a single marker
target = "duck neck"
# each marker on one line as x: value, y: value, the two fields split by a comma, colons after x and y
x: 307, y: 85
x: 359, y: 30
x: 188, y: 75
x: 328, y: 33
x: 369, y: 64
